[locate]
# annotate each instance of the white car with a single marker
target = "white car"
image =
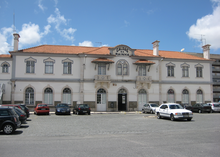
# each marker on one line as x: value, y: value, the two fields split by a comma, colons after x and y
x: 173, y: 111
x: 215, y: 106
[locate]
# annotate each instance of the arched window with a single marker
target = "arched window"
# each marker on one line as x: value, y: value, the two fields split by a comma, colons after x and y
x: 66, y: 96
x: 122, y: 67
x: 48, y: 96
x: 170, y: 96
x: 185, y: 96
x: 142, y: 98
x: 5, y: 68
x: 199, y: 96
x: 29, y: 96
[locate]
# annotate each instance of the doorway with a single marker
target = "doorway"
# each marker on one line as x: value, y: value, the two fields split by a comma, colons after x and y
x: 122, y: 100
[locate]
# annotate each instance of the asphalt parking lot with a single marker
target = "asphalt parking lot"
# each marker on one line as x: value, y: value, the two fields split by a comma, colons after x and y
x: 120, y: 134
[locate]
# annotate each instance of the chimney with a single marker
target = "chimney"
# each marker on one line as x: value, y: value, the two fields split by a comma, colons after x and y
x: 16, y: 40
x: 206, y: 51
x: 156, y: 48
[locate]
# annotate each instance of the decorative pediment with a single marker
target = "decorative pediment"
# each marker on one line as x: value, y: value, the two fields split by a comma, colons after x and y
x: 170, y: 64
x: 5, y: 63
x: 30, y: 59
x: 122, y: 50
x: 49, y: 60
x: 102, y: 80
x: 142, y: 81
x: 67, y: 60
x: 185, y: 65
x: 198, y: 65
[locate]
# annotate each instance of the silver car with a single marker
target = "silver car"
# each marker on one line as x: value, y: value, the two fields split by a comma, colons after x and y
x: 215, y: 106
x: 149, y: 108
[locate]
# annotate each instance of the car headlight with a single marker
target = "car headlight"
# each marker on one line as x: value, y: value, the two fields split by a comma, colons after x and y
x: 178, y: 114
x: 58, y: 109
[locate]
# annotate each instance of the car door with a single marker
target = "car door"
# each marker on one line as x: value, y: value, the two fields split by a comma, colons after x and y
x: 147, y: 108
x: 162, y: 110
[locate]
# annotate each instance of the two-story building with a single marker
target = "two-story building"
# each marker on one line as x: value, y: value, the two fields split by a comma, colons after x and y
x: 107, y: 78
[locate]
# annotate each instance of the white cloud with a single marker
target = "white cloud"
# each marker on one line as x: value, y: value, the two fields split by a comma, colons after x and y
x: 57, y: 21
x: 86, y: 43
x: 40, y: 5
x: 30, y: 34
x: 4, y: 35
x: 209, y: 27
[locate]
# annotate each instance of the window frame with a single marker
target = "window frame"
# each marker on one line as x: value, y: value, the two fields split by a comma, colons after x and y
x: 123, y: 70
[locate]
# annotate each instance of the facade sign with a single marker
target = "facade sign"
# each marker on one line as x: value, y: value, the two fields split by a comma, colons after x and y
x: 122, y: 50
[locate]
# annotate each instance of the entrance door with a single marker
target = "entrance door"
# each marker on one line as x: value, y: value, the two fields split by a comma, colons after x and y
x: 142, y: 99
x: 122, y: 102
x: 101, y: 100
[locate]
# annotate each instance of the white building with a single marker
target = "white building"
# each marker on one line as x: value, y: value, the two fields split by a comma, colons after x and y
x: 107, y: 78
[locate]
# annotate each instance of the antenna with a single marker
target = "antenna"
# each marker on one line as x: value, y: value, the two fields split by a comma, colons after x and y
x: 99, y: 43
x: 202, y: 38
x: 14, y: 30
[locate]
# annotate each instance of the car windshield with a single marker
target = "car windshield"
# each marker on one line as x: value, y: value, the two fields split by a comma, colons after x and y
x: 216, y: 105
x: 154, y: 105
x: 175, y: 106
x: 205, y: 104
x: 62, y: 105
x: 43, y: 105
x: 84, y: 105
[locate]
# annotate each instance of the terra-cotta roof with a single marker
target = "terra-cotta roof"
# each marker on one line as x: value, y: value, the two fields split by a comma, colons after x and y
x: 61, y: 49
x: 5, y: 56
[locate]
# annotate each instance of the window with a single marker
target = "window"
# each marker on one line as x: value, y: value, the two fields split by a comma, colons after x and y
x: 67, y: 66
x: 29, y: 96
x: 185, y: 99
x: 101, y: 69
x: 5, y: 68
x: 170, y: 71
x: 48, y: 96
x: 119, y: 69
x: 49, y: 67
x: 67, y: 96
x: 122, y: 67
x: 142, y: 70
x: 185, y: 71
x: 198, y: 71
x: 170, y: 96
x: 199, y: 96
x: 30, y: 66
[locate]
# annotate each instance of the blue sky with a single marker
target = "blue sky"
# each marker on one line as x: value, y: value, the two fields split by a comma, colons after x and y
x: 177, y: 24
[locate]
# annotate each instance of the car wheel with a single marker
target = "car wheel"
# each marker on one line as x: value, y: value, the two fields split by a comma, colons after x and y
x: 8, y: 128
x: 151, y: 111
x: 158, y: 116
x: 88, y: 113
x: 200, y: 111
x: 172, y: 117
x: 189, y: 119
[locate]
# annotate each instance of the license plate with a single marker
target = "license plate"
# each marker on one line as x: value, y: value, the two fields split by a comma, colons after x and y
x: 43, y: 109
x: 185, y: 115
x: 63, y: 111
x: 84, y: 111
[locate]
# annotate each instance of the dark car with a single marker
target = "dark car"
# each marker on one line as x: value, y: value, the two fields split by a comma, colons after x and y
x: 25, y: 109
x: 81, y: 109
x: 201, y: 107
x: 187, y: 106
x: 21, y: 114
x: 62, y: 109
x: 9, y: 120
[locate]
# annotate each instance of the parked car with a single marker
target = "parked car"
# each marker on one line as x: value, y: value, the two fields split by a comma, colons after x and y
x: 173, y: 111
x: 81, y: 109
x: 18, y: 109
x: 26, y: 109
x: 9, y: 120
x: 201, y: 107
x: 62, y: 109
x: 21, y: 114
x: 149, y: 108
x: 42, y: 109
x: 215, y: 107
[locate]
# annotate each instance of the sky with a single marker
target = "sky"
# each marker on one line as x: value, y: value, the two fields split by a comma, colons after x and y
x: 179, y: 25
